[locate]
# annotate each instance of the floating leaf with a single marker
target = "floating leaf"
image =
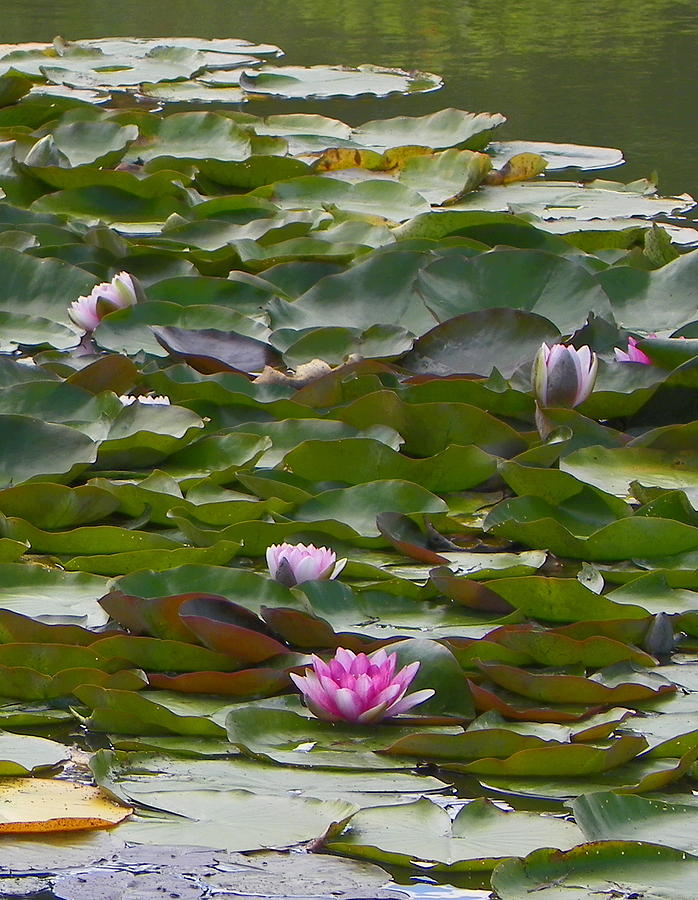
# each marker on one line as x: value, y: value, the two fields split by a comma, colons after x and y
x: 558, y: 156
x: 422, y: 834
x: 210, y: 351
x: 41, y: 805
x: 610, y: 817
x: 519, y: 167
x: 24, y: 755
x: 336, y: 81
x: 475, y: 343
x: 439, y: 130
x: 595, y: 867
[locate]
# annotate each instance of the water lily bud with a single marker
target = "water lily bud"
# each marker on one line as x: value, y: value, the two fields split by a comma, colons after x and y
x: 292, y: 564
x: 563, y: 375
x: 358, y: 688
x: 634, y: 354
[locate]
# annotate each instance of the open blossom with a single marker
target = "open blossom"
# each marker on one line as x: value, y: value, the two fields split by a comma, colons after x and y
x: 158, y: 400
x: 88, y: 311
x: 292, y: 564
x: 359, y: 688
x: 563, y: 376
x: 634, y: 354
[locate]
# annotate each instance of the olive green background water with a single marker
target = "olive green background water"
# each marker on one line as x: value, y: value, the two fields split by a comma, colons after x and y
x: 620, y: 73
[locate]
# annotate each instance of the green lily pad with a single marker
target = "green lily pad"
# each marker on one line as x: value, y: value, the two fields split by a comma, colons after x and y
x: 633, y: 867
x: 375, y: 197
x: 122, y: 774
x: 420, y: 834
x: 193, y: 818
x: 621, y: 683
x: 130, y: 713
x: 363, y: 459
x: 615, y: 470
x: 635, y: 295
x: 84, y: 143
x: 613, y: 817
x: 357, y: 506
x: 40, y: 287
x: 440, y: 130
x: 196, y: 135
x: 53, y: 506
x: 187, y: 91
x: 52, y: 595
x: 217, y: 554
x: 24, y: 755
x: 281, y: 734
x: 336, y: 81
x: 18, y: 330
x: 536, y: 523
x: 35, y: 451
x: 548, y: 285
x: 477, y: 342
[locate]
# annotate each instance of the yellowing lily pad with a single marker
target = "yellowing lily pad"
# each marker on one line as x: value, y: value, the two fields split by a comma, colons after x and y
x: 29, y: 805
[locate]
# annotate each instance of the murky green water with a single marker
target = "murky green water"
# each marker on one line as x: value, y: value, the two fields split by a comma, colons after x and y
x: 604, y: 72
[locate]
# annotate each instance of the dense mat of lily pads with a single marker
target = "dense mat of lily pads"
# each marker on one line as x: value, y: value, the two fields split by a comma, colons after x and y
x: 324, y: 335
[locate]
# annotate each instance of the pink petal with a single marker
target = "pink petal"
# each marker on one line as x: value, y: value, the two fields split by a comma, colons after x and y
x: 348, y: 704
x: 325, y: 715
x: 390, y: 694
x: 315, y: 565
x: 380, y: 657
x: 374, y: 714
x: 337, y: 670
x: 345, y: 658
x: 361, y: 665
x: 83, y: 312
x: 273, y: 559
x: 306, y: 569
x: 124, y: 289
x: 539, y: 374
x: 314, y: 694
x: 329, y: 685
x: 409, y: 701
x: 587, y: 385
x: 300, y: 681
x: 364, y: 688
x: 634, y: 353
x: 407, y: 674
x: 320, y: 666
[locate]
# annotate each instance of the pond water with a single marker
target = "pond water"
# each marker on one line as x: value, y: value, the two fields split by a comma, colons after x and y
x: 604, y: 73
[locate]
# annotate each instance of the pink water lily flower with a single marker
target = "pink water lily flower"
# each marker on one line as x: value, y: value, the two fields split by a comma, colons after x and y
x: 563, y: 375
x: 293, y: 564
x: 358, y: 688
x: 88, y: 311
x: 634, y: 354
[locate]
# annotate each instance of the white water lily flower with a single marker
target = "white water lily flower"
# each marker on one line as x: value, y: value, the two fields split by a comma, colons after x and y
x: 158, y: 400
x: 88, y: 311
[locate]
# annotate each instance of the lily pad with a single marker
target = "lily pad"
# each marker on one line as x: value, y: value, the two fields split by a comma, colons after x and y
x: 633, y: 867
x: 421, y: 834
x: 336, y: 81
